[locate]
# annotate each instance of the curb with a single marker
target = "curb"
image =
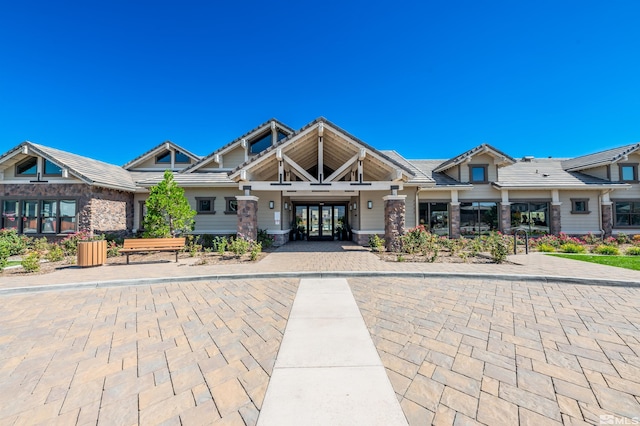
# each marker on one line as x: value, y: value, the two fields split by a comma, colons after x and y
x: 318, y: 274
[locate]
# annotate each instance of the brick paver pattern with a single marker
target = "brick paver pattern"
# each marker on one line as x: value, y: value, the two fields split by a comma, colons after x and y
x: 499, y: 352
x: 167, y: 354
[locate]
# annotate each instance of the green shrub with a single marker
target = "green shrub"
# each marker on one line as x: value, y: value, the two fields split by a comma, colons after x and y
x: 498, y: 247
x: 41, y: 245
x: 265, y: 239
x: 220, y: 244
x: 239, y: 246
x: 256, y: 249
x: 633, y: 251
x: 400, y: 258
x: 590, y: 238
x: 113, y: 248
x: 376, y: 243
x: 546, y: 248
x: 4, y: 254
x: 622, y: 238
x: 14, y: 242
x: 607, y: 250
x: 31, y: 262
x: 572, y: 248
x: 55, y: 253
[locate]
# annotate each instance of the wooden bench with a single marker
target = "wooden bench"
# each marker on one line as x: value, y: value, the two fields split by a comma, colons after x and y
x: 140, y: 245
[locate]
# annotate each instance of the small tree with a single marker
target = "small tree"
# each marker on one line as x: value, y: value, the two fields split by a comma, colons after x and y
x: 168, y: 211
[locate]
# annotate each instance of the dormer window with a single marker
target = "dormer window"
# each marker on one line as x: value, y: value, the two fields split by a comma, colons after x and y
x: 265, y: 141
x: 28, y: 167
x: 182, y: 158
x: 164, y: 158
x: 51, y: 169
x: 478, y: 173
x: 629, y: 172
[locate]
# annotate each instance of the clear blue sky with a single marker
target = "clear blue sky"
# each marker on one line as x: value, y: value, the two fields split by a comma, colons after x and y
x: 430, y: 79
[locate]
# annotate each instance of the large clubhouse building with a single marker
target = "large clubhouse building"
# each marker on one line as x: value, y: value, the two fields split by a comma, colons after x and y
x: 321, y: 182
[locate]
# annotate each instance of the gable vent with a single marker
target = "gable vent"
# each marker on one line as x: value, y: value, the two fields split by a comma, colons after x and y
x: 528, y: 158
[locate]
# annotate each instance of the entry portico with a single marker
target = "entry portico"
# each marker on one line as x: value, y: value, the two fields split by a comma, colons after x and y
x: 316, y: 180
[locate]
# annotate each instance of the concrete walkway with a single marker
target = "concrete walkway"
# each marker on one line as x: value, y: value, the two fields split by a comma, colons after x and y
x: 328, y: 371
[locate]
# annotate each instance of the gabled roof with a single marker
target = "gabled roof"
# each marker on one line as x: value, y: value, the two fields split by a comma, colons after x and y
x: 251, y: 133
x: 547, y: 173
x: 427, y: 167
x: 601, y: 158
x: 88, y: 170
x: 420, y: 177
x: 480, y: 149
x: 157, y: 150
x: 190, y: 180
x: 272, y: 149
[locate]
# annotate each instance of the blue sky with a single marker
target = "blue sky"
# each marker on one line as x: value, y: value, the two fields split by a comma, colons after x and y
x: 430, y: 79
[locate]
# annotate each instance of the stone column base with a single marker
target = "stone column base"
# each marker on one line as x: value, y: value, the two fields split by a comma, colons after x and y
x: 505, y: 218
x: 607, y: 219
x: 248, y: 216
x: 454, y: 219
x: 555, y: 226
x: 394, y: 216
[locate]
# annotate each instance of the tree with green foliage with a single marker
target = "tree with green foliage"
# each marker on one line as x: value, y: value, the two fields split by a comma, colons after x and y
x: 168, y: 210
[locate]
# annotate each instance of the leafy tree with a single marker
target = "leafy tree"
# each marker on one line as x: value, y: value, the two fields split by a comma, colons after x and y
x: 168, y: 211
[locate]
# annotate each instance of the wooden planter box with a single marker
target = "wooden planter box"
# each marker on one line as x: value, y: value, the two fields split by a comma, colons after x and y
x: 92, y: 253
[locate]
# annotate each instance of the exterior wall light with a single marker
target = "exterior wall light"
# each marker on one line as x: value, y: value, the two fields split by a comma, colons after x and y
x: 369, y: 204
x: 271, y: 204
x: 286, y: 205
x: 355, y: 206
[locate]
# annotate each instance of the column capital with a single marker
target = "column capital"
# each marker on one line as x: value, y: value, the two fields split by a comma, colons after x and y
x: 394, y: 197
x: 246, y: 198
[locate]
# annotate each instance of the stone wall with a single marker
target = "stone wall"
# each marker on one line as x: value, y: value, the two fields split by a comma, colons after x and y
x: 505, y: 218
x: 555, y: 227
x: 607, y: 219
x: 394, y: 217
x: 248, y: 216
x: 100, y: 210
x: 454, y: 219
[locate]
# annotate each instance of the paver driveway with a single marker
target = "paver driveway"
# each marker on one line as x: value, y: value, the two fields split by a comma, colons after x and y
x: 457, y: 350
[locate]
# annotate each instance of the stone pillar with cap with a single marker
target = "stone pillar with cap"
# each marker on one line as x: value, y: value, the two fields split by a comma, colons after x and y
x: 394, y: 219
x: 247, y: 215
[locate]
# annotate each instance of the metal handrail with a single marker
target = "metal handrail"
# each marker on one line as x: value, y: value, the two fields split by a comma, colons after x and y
x: 515, y: 241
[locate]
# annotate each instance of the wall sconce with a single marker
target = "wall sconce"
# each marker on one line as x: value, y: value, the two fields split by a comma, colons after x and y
x: 271, y: 204
x: 369, y: 204
x: 355, y: 206
x: 286, y: 205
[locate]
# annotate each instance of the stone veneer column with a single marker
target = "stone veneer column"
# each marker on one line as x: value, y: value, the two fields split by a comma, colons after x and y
x: 607, y: 218
x: 248, y: 216
x: 454, y: 220
x: 505, y: 218
x: 555, y: 227
x: 394, y: 214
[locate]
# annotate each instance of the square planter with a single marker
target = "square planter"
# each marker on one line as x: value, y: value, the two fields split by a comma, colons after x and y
x: 92, y: 253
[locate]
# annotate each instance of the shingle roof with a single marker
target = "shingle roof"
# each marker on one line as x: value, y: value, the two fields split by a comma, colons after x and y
x: 547, y: 173
x: 206, y: 158
x: 158, y: 148
x: 427, y: 167
x: 599, y: 158
x: 474, y: 151
x: 419, y: 176
x: 272, y: 148
x: 191, y: 179
x: 90, y: 171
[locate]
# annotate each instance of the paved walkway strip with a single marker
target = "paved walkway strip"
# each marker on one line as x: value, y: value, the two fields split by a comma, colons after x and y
x: 328, y: 370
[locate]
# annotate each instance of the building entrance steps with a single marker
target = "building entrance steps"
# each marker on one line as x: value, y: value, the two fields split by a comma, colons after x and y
x: 328, y: 370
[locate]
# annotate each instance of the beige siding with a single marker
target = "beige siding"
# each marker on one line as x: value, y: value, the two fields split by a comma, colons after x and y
x: 516, y: 196
x: 480, y: 192
x: 150, y: 163
x: 599, y: 172
x: 266, y: 216
x: 410, y: 215
x: 371, y: 219
x: 632, y: 193
x: 233, y: 158
x: 579, y: 223
x: 218, y: 222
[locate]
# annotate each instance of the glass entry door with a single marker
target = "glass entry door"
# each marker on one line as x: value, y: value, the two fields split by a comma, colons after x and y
x: 325, y: 221
x: 320, y: 222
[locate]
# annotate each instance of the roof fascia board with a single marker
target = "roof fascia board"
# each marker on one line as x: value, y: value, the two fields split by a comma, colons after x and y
x: 153, y: 151
x: 585, y: 187
x: 269, y: 152
x: 480, y: 149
